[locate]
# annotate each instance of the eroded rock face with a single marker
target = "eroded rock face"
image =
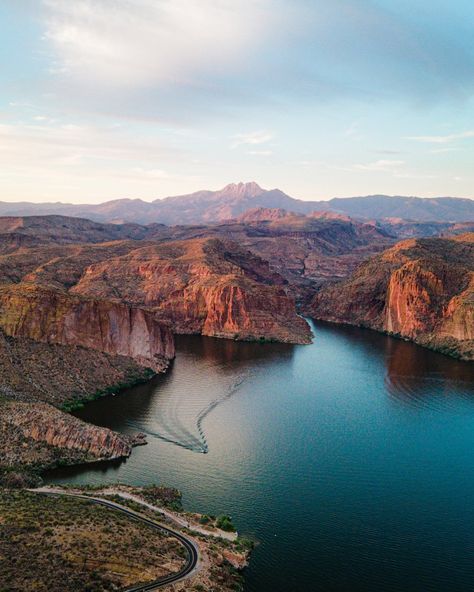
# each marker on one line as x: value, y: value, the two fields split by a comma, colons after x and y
x: 305, y: 250
x: 421, y: 290
x: 179, y: 281
x: 46, y: 424
x: 54, y: 317
x: 62, y: 374
x: 206, y: 286
x: 38, y: 434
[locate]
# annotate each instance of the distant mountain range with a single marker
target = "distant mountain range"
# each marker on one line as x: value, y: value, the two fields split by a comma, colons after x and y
x: 235, y: 199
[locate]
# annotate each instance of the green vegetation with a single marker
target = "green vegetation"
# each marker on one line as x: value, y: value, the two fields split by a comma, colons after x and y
x: 45, y: 542
x: 18, y: 478
x: 78, y: 403
x: 224, y: 522
x: 243, y: 544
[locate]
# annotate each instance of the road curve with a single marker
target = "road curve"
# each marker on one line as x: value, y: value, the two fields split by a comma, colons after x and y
x: 189, y: 545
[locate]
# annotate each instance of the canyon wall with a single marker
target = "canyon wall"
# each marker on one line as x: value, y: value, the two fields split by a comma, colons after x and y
x: 422, y: 290
x: 62, y: 375
x: 51, y: 316
x: 44, y: 423
x: 207, y: 286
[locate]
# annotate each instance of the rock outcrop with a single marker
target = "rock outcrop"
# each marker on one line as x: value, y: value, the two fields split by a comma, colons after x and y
x: 422, y: 290
x: 51, y: 316
x: 44, y: 423
x: 63, y: 375
x: 38, y: 435
x: 207, y: 286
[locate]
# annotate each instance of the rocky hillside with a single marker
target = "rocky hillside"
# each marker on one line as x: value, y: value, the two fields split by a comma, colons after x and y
x: 401, y: 229
x: 38, y: 435
x: 200, y: 285
x: 34, y: 376
x: 306, y: 250
x: 207, y: 286
x: 303, y: 249
x: 62, y: 375
x: 24, y: 232
x: 422, y: 290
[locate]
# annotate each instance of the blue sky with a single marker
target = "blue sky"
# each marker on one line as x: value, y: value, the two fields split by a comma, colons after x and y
x: 104, y: 99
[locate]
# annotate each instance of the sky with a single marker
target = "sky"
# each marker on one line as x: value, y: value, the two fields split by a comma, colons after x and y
x: 106, y: 99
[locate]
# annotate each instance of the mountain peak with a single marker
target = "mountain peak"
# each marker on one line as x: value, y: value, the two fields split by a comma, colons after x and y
x: 249, y: 189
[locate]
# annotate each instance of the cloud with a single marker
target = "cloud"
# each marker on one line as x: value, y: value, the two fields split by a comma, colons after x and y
x: 394, y: 167
x: 443, y: 139
x: 380, y: 165
x: 251, y: 138
x: 413, y: 176
x: 46, y: 152
x: 142, y: 43
x: 150, y: 173
x: 182, y: 60
x: 443, y: 150
x: 83, y: 162
x: 260, y: 152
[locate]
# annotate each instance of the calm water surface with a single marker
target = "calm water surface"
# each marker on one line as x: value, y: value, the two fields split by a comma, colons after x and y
x: 350, y: 461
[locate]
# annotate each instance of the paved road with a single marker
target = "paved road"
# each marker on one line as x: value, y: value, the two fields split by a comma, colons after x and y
x: 188, y: 544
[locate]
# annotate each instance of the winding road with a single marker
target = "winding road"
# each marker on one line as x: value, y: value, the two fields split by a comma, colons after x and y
x: 190, y: 546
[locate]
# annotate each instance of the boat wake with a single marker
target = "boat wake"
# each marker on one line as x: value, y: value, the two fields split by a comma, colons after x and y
x: 179, y: 419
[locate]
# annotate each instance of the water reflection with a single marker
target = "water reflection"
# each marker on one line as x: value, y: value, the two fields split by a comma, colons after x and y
x: 421, y: 378
x: 414, y: 376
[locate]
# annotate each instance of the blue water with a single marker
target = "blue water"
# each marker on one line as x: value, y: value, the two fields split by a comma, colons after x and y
x: 350, y: 461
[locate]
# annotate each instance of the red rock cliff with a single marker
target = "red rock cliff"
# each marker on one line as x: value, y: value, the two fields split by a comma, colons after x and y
x: 55, y: 317
x: 206, y: 286
x: 422, y: 290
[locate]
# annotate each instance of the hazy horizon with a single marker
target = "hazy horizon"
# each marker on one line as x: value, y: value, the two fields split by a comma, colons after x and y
x: 152, y: 98
x: 85, y: 201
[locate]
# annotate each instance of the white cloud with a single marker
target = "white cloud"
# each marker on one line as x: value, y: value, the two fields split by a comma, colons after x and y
x: 260, y: 152
x: 85, y: 163
x: 414, y: 176
x: 443, y: 139
x: 380, y: 165
x: 443, y: 150
x: 43, y: 155
x: 251, y: 138
x: 132, y: 43
x: 22, y: 144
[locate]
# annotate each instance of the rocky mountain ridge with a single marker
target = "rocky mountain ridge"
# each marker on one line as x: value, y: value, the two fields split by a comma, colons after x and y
x: 234, y: 199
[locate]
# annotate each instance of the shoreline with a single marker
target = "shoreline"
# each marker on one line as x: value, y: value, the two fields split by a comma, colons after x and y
x: 443, y: 351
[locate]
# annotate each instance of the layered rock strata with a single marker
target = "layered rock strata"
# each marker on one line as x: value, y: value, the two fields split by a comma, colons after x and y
x: 51, y: 316
x: 422, y: 290
x: 37, y: 435
x: 207, y: 286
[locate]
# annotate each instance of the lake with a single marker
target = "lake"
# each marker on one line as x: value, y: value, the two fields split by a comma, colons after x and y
x: 350, y: 461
